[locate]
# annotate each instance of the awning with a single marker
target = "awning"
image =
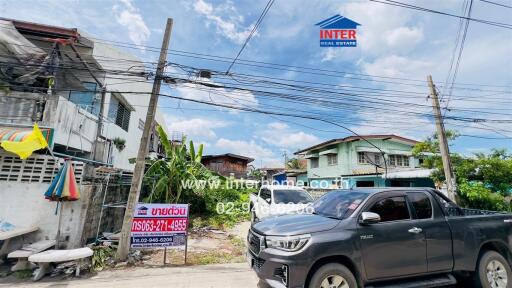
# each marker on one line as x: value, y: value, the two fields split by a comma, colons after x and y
x: 408, y: 174
x: 367, y: 149
x: 17, y: 134
x: 312, y: 155
x: 400, y: 152
x: 389, y: 152
x: 330, y: 151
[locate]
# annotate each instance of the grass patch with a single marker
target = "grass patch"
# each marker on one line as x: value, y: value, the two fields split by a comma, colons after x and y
x: 23, y: 274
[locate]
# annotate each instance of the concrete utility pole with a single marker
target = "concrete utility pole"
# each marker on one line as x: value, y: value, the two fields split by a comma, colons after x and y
x: 138, y: 172
x: 443, y: 143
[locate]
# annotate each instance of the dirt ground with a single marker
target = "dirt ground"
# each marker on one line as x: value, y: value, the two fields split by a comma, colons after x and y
x: 205, y: 246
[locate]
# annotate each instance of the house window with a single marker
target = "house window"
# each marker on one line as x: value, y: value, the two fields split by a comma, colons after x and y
x: 119, y: 113
x: 360, y: 158
x: 86, y: 98
x: 377, y: 158
x: 399, y: 160
x: 313, y: 162
x: 368, y: 158
x: 141, y: 124
x: 332, y: 159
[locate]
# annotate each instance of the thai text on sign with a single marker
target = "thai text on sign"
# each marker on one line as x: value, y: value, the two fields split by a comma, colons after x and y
x: 159, y: 225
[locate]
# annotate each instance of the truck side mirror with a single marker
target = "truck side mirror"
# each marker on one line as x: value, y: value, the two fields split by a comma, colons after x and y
x: 369, y: 218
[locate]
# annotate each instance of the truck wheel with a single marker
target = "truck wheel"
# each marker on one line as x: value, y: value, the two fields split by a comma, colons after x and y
x: 493, y: 271
x: 333, y: 275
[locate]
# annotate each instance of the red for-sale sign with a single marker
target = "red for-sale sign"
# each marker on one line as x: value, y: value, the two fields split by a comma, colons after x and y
x: 159, y: 225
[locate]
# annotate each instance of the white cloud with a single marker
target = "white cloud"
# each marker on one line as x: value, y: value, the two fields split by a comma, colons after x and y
x: 195, y: 127
x: 281, y: 135
x: 128, y: 15
x: 404, y: 37
x: 278, y: 126
x: 246, y: 148
x: 228, y: 26
x: 398, y: 66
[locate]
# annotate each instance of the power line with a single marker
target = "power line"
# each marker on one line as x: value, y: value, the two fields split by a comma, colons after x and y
x: 256, y: 25
x: 414, y: 7
x: 495, y: 3
x: 274, y: 66
x: 459, y: 57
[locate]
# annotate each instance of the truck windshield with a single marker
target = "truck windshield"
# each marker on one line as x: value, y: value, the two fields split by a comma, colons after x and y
x: 338, y: 204
x: 292, y: 196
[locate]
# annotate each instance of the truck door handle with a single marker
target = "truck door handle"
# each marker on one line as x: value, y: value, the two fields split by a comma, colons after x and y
x: 415, y: 230
x: 507, y: 220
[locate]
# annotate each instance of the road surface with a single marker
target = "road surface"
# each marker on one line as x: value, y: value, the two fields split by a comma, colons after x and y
x: 219, y: 275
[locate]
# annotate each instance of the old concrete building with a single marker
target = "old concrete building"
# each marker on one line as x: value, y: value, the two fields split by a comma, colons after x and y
x: 90, y: 100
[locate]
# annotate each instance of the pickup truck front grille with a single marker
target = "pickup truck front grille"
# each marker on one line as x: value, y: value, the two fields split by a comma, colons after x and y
x: 254, y: 242
x: 258, y: 263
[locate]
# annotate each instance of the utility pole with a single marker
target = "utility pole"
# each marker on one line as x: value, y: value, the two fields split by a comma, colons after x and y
x: 443, y: 143
x: 138, y: 172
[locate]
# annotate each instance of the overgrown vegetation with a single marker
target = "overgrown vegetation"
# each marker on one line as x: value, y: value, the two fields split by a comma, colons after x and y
x: 484, y: 180
x: 166, y: 177
x: 165, y: 180
x: 222, y: 208
x: 100, y: 257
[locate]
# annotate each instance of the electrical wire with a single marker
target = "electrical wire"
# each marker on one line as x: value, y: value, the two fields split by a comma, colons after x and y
x: 256, y: 25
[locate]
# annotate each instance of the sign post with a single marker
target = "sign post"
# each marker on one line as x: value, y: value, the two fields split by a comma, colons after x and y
x: 160, y: 226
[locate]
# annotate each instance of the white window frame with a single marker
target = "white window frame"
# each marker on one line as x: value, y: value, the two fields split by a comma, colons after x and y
x: 330, y: 158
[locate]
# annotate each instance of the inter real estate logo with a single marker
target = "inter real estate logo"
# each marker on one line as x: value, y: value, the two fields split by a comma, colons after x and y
x: 338, y: 31
x: 142, y: 211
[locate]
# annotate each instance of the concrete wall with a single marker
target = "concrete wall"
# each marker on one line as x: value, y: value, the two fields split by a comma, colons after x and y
x: 112, y: 218
x: 104, y: 53
x: 23, y: 205
x: 74, y: 127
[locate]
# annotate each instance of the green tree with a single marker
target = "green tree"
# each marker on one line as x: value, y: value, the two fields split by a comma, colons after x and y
x: 167, y: 177
x: 255, y: 174
x: 295, y: 163
x: 483, y: 180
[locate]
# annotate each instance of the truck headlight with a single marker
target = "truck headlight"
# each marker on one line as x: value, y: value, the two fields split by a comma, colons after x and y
x: 287, y: 243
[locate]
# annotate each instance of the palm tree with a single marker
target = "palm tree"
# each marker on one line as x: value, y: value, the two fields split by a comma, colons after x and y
x: 168, y: 176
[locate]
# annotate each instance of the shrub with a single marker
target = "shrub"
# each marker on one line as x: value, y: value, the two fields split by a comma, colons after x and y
x: 475, y: 195
x: 221, y: 207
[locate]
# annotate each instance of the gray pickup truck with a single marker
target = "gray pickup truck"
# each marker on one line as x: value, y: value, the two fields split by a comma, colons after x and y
x: 386, y: 237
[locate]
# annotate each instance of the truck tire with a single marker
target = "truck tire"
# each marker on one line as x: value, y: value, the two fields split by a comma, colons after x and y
x: 333, y: 275
x: 493, y: 271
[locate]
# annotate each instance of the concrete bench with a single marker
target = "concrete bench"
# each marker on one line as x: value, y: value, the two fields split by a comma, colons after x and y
x: 28, y: 251
x: 6, y: 236
x: 44, y: 259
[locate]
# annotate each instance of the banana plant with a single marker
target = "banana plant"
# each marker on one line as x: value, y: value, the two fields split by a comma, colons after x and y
x: 181, y: 164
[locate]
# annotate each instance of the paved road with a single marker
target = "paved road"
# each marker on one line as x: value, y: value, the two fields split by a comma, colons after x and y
x: 220, y: 275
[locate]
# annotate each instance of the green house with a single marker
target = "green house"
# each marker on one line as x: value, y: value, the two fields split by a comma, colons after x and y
x: 353, y: 162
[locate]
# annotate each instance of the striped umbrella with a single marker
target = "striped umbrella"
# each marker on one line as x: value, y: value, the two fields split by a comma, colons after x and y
x: 63, y: 186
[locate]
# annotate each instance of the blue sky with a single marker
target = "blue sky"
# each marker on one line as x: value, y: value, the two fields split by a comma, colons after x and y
x: 392, y: 42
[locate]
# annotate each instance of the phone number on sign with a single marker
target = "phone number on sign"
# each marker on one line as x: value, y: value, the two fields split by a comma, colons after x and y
x: 159, y: 225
